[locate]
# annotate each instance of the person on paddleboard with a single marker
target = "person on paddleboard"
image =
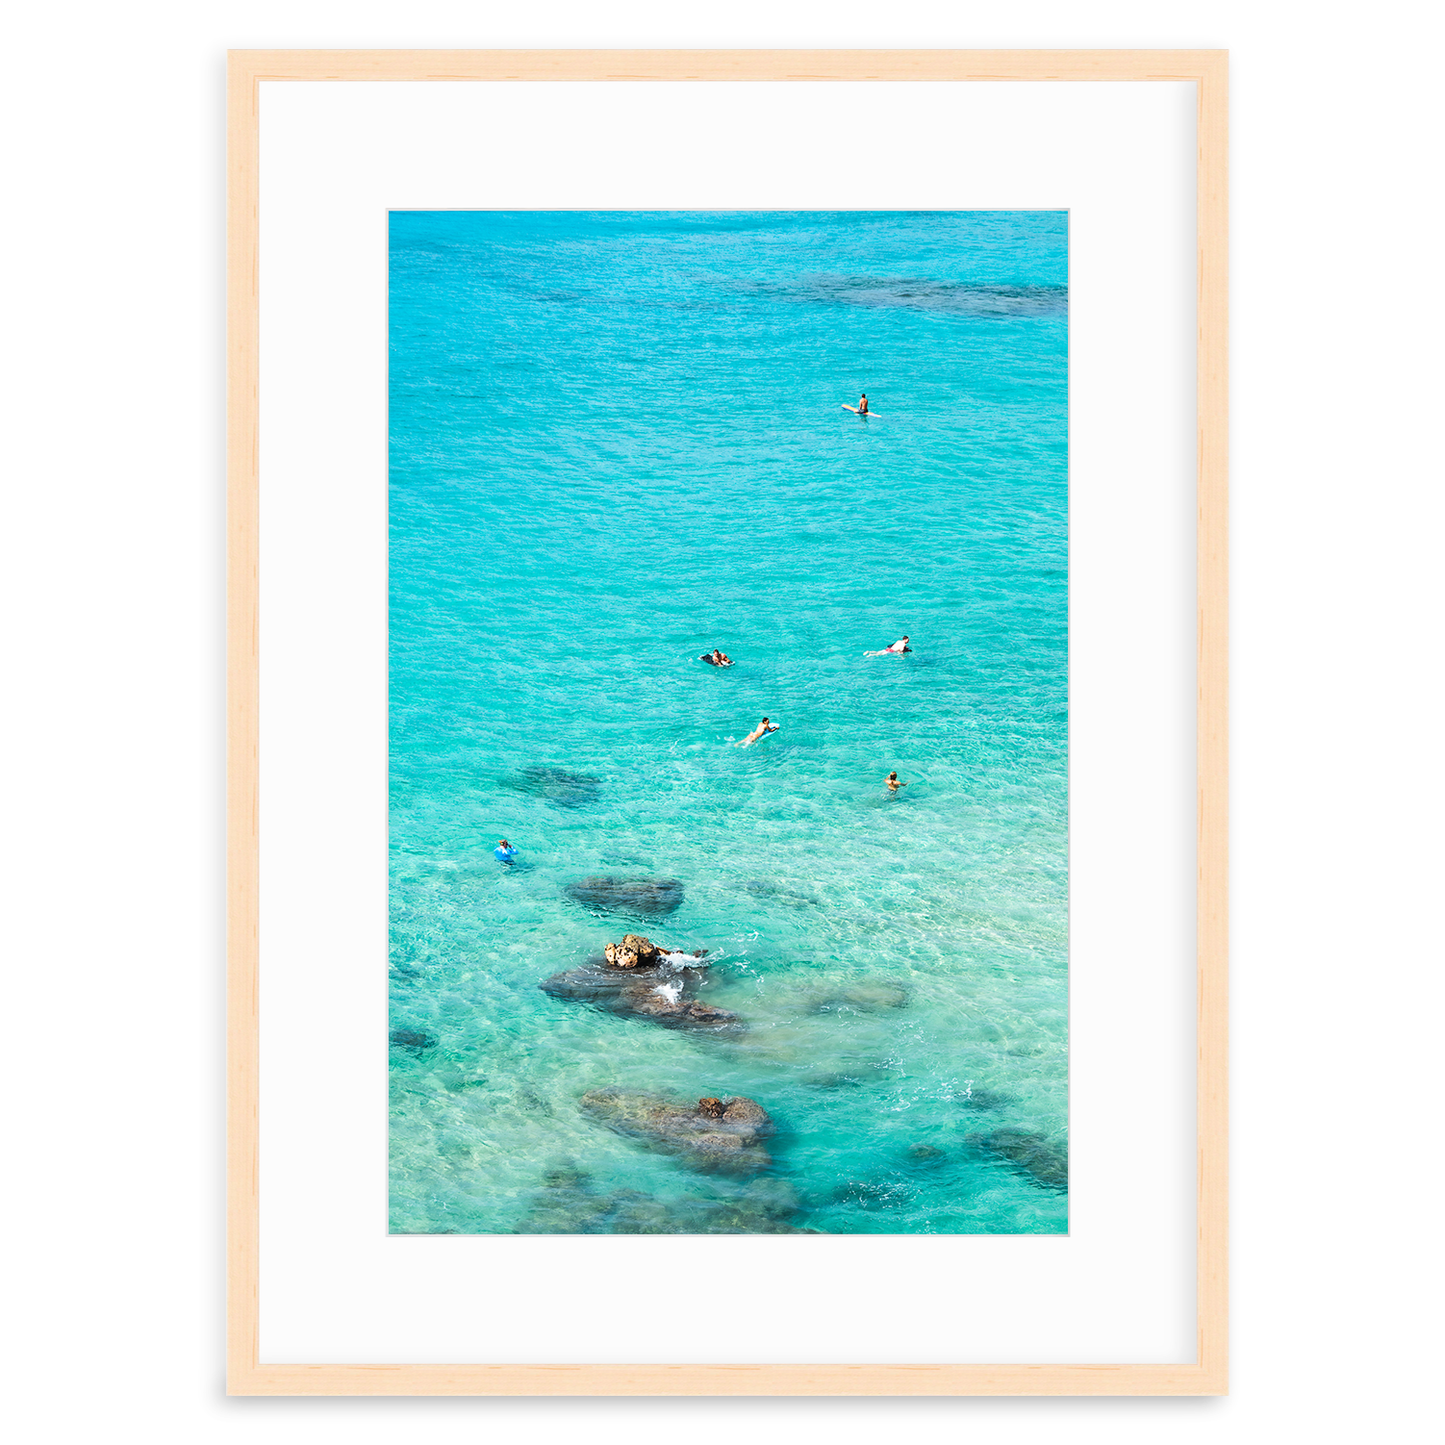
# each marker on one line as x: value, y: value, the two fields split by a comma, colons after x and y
x: 863, y: 404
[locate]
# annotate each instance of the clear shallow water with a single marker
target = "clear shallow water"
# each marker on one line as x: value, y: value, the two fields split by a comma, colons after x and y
x: 616, y: 442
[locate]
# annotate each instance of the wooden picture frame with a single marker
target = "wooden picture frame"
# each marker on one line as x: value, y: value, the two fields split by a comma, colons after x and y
x: 1207, y: 1373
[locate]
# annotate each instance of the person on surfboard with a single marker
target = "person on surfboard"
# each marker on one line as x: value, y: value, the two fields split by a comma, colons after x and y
x: 863, y: 404
x: 762, y: 729
x: 895, y: 650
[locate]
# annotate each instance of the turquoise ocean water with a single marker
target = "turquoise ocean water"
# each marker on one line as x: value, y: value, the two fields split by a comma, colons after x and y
x: 616, y: 442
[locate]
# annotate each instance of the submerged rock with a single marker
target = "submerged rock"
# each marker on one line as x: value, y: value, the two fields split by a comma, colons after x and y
x: 728, y: 1138
x: 923, y: 1153
x: 873, y: 1194
x: 834, y: 1080
x: 852, y: 1074
x: 567, y: 1204
x: 643, y: 897
x: 558, y: 786
x: 1031, y: 1154
x: 986, y: 1099
x: 863, y: 997
x: 417, y: 1039
x: 780, y: 893
x: 662, y: 990
x: 637, y: 1213
x: 533, y: 1102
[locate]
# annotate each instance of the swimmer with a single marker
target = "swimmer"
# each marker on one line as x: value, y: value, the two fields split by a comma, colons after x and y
x: 761, y: 730
x: 897, y: 650
x: 718, y: 658
x: 504, y: 852
x: 894, y: 784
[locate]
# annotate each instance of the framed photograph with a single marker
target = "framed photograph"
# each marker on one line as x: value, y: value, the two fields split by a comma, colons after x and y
x: 727, y: 831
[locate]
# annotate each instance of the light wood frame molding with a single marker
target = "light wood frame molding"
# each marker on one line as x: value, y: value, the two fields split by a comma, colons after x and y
x: 1207, y: 1374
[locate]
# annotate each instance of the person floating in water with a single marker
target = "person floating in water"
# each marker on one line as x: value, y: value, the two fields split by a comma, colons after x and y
x: 898, y: 648
x: 718, y: 658
x: 894, y: 784
x: 504, y: 852
x: 762, y: 729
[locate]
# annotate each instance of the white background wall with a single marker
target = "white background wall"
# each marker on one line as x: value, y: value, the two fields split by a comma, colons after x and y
x: 111, y: 565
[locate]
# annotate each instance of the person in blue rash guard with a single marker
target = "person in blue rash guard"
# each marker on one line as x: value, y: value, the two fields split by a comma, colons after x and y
x: 504, y: 852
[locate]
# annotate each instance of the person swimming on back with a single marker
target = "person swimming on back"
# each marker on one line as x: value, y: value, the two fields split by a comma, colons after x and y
x: 897, y: 650
x: 761, y: 730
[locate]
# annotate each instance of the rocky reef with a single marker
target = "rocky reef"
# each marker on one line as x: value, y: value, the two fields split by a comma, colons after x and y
x: 558, y: 786
x: 641, y: 897
x: 1030, y: 1154
x: 713, y: 1134
x: 642, y: 979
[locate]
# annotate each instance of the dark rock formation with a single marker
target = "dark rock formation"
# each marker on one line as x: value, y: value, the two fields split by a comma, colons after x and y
x: 635, y: 979
x: 558, y: 786
x: 416, y: 1039
x: 729, y: 1140
x: 641, y: 897
x: 1031, y: 1154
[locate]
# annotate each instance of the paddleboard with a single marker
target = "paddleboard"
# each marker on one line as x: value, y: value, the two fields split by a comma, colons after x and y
x: 855, y: 410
